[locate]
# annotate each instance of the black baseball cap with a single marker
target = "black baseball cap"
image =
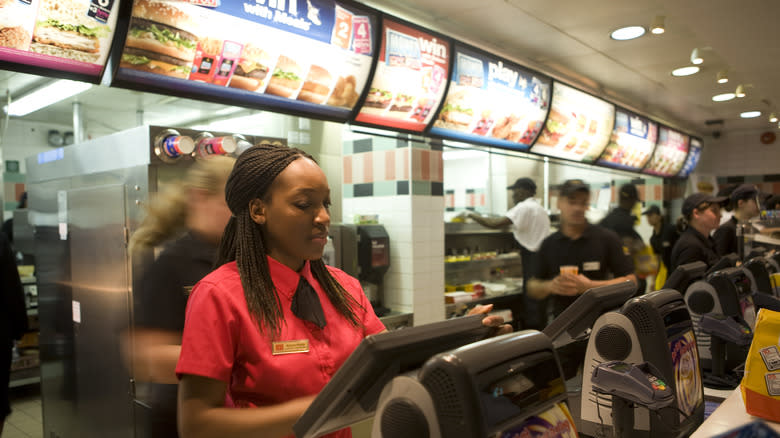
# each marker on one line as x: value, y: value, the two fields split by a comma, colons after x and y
x: 691, y: 202
x: 744, y: 191
x: 772, y: 201
x: 524, y: 183
x: 653, y: 209
x: 572, y: 186
x: 628, y: 191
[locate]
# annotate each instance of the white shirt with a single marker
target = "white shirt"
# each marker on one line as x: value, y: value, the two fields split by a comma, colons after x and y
x: 531, y: 224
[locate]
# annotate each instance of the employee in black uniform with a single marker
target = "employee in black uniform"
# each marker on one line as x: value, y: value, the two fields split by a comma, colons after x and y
x: 596, y: 252
x: 13, y: 320
x: 773, y: 203
x: 188, y: 219
x: 662, y: 241
x: 621, y: 221
x: 701, y: 215
x: 744, y: 203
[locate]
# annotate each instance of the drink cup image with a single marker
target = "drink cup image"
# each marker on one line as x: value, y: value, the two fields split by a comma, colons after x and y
x: 570, y: 269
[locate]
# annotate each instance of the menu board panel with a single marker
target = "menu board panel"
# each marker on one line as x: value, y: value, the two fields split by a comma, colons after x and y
x: 71, y: 36
x: 309, y: 56
x: 409, y: 79
x: 694, y: 153
x: 492, y: 101
x: 632, y: 142
x: 670, y: 153
x: 578, y: 127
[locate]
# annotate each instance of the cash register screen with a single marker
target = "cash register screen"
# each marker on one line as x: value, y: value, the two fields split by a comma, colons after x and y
x: 513, y: 388
x: 742, y: 283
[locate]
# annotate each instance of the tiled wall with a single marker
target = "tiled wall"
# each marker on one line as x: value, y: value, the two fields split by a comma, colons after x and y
x: 739, y: 154
x: 401, y: 181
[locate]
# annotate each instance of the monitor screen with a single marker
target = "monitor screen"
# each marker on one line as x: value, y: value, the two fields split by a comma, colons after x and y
x: 492, y: 101
x: 578, y: 126
x: 685, y: 363
x: 409, y: 79
x: 353, y: 392
x: 632, y: 142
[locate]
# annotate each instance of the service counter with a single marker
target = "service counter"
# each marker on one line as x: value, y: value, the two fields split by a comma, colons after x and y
x: 729, y: 415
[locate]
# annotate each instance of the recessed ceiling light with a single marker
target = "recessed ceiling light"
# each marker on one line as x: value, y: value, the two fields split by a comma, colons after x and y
x: 685, y: 71
x: 627, y: 33
x: 723, y: 97
x: 750, y: 114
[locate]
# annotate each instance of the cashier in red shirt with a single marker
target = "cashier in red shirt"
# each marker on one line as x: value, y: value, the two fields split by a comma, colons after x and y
x: 269, y: 327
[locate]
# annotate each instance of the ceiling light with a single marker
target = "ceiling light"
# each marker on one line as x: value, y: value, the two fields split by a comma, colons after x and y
x: 695, y: 58
x: 773, y: 118
x: 685, y: 71
x: 657, y: 28
x: 723, y: 97
x: 47, y: 95
x: 750, y: 114
x: 627, y: 33
x: 740, y: 90
x: 723, y: 77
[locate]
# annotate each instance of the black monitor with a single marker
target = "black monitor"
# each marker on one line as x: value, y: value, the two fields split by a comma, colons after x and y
x: 756, y: 251
x: 760, y: 271
x: 727, y: 261
x: 684, y: 275
x: 735, y: 294
x: 579, y: 317
x: 352, y: 394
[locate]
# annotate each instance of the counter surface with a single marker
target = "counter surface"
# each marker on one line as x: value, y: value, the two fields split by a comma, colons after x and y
x: 729, y: 415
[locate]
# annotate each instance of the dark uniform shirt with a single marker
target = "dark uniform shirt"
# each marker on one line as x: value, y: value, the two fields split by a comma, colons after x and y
x: 725, y: 237
x: 691, y: 247
x: 598, y: 253
x: 663, y: 242
x: 621, y: 221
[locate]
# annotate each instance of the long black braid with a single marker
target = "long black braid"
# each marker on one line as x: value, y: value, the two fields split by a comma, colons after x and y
x: 243, y: 240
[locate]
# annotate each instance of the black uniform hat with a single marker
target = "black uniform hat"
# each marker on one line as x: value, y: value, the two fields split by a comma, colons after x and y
x: 524, y: 183
x: 628, y: 191
x: 691, y: 202
x: 653, y: 209
x: 744, y: 191
x: 572, y: 186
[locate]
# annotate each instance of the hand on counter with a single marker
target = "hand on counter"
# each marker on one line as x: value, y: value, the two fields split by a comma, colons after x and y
x: 494, y: 321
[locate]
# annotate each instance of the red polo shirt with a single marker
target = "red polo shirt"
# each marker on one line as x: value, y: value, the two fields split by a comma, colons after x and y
x: 221, y: 341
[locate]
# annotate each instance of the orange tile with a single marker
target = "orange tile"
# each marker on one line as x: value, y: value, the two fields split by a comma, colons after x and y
x: 437, y: 159
x: 405, y: 153
x: 425, y: 165
x: 368, y: 167
x: 390, y: 165
x: 659, y: 192
x: 348, y: 169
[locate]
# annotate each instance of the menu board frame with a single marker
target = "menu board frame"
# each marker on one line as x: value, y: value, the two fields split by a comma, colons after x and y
x: 353, y: 120
x: 617, y: 166
x: 106, y: 71
x: 690, y: 143
x: 208, y: 92
x: 645, y: 170
x: 449, y: 134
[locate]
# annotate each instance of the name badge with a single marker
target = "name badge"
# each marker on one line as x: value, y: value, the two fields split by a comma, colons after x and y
x: 290, y: 347
x: 591, y: 266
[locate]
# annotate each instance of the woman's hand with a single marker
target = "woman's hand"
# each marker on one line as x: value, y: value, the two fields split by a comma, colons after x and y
x: 494, y: 321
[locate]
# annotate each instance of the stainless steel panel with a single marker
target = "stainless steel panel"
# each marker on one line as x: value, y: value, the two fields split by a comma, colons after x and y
x: 101, y: 302
x: 23, y: 231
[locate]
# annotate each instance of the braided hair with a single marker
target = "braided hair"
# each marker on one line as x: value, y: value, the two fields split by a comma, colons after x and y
x: 244, y: 240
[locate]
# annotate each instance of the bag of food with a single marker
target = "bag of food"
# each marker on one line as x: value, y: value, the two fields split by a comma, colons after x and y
x: 761, y: 384
x: 645, y: 262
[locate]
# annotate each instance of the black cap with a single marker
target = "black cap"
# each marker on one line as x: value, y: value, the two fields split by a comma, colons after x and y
x: 572, y: 186
x: 653, y: 209
x: 524, y: 183
x: 772, y: 201
x: 744, y: 191
x: 696, y: 199
x: 628, y: 191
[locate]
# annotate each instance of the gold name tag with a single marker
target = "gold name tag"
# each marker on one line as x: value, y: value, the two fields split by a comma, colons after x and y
x: 289, y: 347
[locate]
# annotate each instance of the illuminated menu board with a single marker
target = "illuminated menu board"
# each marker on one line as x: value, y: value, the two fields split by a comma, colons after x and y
x: 693, y: 158
x: 669, y: 155
x: 492, y: 101
x: 578, y: 127
x: 71, y: 36
x: 310, y: 56
x: 632, y: 142
x: 409, y: 80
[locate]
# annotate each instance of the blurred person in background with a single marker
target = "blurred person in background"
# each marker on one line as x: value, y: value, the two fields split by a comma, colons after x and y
x: 773, y: 203
x: 8, y: 225
x: 744, y: 205
x: 530, y: 224
x: 13, y: 320
x: 621, y: 220
x: 272, y: 324
x: 726, y: 211
x: 188, y: 218
x: 664, y: 237
x: 700, y: 217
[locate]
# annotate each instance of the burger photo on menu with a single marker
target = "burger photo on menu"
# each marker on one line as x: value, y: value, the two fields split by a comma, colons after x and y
x: 252, y: 69
x: 13, y: 17
x: 162, y: 39
x: 379, y: 96
x: 556, y: 127
x: 63, y: 29
x: 286, y: 78
x: 344, y: 92
x: 317, y: 85
x: 402, y: 103
x: 457, y: 112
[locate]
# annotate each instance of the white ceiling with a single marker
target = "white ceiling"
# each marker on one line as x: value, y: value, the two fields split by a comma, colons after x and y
x: 567, y: 39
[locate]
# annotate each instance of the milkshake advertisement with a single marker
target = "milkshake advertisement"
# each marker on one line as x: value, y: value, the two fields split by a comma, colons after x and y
x: 685, y: 363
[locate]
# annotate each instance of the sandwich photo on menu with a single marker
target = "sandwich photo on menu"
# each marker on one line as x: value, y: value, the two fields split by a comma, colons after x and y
x: 317, y: 85
x: 65, y: 30
x: 286, y: 78
x: 13, y: 19
x: 252, y: 69
x: 556, y: 127
x: 162, y: 39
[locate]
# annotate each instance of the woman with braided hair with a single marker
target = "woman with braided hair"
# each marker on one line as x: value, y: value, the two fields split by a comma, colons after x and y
x: 272, y: 324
